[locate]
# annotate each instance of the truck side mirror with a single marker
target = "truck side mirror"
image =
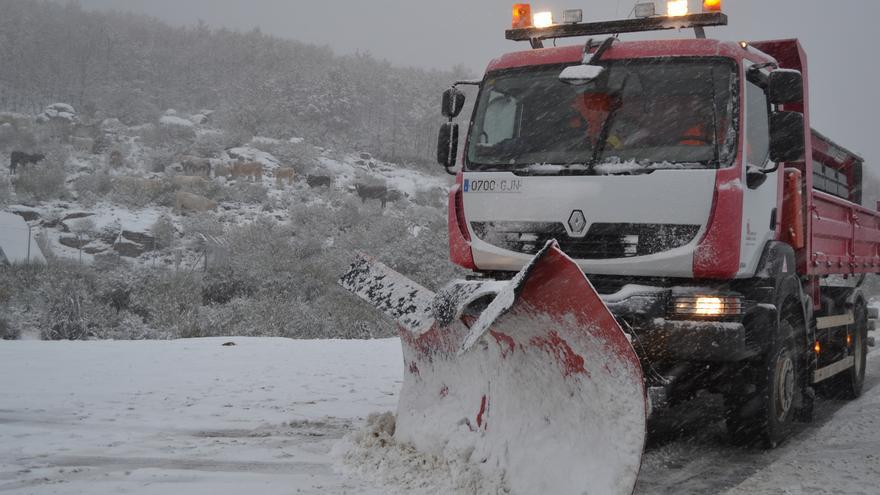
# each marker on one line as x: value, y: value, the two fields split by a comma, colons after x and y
x: 447, y: 145
x: 453, y: 103
x: 785, y: 86
x: 787, y: 139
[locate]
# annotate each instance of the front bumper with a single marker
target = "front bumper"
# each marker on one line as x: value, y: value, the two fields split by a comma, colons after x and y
x: 644, y: 313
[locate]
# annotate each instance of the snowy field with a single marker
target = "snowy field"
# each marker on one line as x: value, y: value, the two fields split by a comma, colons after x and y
x: 262, y: 417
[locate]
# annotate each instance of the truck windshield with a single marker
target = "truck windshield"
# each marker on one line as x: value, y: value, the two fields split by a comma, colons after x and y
x: 639, y: 115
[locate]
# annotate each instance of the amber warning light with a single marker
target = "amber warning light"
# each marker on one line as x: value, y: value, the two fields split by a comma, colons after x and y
x: 522, y: 16
x: 711, y: 5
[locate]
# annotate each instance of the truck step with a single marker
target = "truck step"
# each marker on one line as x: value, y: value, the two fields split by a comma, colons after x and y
x: 873, y: 312
x: 823, y: 322
x: 872, y: 325
x: 827, y: 372
x: 870, y: 341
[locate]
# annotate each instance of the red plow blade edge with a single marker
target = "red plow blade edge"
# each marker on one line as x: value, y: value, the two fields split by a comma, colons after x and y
x: 541, y: 388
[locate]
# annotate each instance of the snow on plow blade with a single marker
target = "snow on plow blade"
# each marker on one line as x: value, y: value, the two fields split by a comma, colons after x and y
x: 541, y: 388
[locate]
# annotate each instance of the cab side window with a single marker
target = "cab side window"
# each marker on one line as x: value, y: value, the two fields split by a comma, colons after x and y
x: 501, y: 119
x: 758, y: 122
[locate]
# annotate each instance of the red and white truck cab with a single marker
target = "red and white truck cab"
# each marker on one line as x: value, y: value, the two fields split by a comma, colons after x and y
x: 724, y: 234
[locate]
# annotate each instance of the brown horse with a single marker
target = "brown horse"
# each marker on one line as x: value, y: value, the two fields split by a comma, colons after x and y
x: 252, y: 170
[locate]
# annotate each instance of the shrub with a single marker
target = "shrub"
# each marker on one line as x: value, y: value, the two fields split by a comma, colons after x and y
x: 159, y: 160
x: 301, y: 156
x: 96, y: 185
x: 164, y: 232
x: 5, y: 192
x: 7, y: 331
x: 168, y: 301
x: 222, y: 285
x: 213, y: 143
x: 246, y: 192
x: 137, y: 192
x: 44, y: 181
x: 71, y: 312
x: 202, y: 223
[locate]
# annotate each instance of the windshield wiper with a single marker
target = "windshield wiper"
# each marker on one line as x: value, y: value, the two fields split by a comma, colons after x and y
x: 599, y: 149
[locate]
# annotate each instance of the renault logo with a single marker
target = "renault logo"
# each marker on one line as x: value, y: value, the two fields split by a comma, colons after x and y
x: 577, y: 222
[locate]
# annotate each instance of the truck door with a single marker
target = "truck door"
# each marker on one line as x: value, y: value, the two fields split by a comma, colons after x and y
x: 759, y: 203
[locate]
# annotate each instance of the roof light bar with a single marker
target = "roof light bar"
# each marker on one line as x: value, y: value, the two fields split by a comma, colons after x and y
x: 536, y: 35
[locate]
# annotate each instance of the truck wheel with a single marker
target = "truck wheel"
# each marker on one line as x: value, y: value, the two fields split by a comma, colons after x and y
x: 768, y: 415
x: 780, y: 390
x: 780, y: 387
x: 853, y: 379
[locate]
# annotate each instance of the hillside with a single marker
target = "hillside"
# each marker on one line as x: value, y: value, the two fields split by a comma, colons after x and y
x: 163, y: 230
x: 111, y: 64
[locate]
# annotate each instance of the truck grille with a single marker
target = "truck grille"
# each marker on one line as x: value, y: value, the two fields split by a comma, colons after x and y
x: 603, y: 240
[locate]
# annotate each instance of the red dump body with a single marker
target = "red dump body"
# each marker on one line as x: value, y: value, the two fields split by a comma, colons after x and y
x: 842, y: 237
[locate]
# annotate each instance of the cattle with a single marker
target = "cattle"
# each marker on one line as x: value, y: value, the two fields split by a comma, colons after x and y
x: 372, y: 191
x: 253, y: 171
x: 116, y: 159
x: 394, y: 195
x: 188, y: 202
x: 284, y: 173
x: 20, y: 159
x: 189, y: 181
x: 196, y: 166
x: 319, y: 181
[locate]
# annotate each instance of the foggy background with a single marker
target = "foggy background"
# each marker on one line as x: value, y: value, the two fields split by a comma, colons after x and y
x: 839, y: 38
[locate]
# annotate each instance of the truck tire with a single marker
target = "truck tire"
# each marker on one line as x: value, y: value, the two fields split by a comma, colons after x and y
x: 853, y: 379
x: 768, y: 414
x: 780, y: 390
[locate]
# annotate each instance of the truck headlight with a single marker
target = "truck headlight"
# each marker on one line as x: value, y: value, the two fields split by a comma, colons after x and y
x: 707, y: 306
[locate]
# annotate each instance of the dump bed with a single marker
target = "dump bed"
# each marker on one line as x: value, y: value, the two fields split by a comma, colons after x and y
x: 845, y: 236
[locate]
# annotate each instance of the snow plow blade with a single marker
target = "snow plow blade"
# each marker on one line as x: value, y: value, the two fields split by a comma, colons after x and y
x: 541, y: 389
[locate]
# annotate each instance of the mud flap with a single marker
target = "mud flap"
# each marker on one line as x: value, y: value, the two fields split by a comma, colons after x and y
x: 542, y: 388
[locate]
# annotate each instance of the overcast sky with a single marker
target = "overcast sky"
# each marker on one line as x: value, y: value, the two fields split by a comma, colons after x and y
x: 840, y: 37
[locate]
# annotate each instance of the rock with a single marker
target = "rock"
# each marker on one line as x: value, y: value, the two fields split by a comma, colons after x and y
x: 73, y: 242
x: 56, y: 224
x: 128, y: 249
x: 27, y: 215
x: 74, y: 216
x: 147, y: 241
x: 366, y: 156
x: 95, y: 249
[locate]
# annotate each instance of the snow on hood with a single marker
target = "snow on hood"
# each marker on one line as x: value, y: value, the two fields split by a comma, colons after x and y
x: 608, y: 168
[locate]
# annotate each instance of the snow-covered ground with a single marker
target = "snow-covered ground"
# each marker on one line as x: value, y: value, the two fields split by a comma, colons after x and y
x: 186, y: 416
x: 262, y: 416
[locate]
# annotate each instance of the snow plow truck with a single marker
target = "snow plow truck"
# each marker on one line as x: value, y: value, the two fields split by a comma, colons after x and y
x: 642, y: 220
